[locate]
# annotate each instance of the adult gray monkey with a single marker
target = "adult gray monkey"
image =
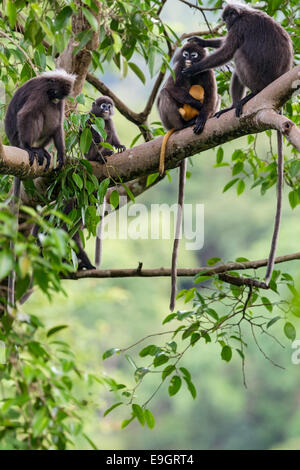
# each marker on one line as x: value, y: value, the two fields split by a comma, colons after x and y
x: 262, y: 51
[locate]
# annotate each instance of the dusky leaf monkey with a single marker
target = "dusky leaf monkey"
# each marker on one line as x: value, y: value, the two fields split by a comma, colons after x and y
x: 34, y: 118
x: 184, y: 102
x: 102, y: 107
x: 262, y: 51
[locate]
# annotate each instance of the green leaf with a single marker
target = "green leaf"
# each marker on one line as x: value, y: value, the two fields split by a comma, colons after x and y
x: 11, y: 13
x: 110, y: 352
x: 152, y: 178
x: 240, y: 187
x: 212, y: 261
x: 167, y: 371
x: 175, y: 385
x: 150, y: 350
x: 191, y: 387
x: 237, y: 168
x: 150, y: 421
x: 62, y: 18
x: 126, y: 422
x: 186, y: 373
x: 117, y: 45
x: 85, y: 140
x: 160, y: 360
x: 220, y: 155
x: 201, y: 278
x: 6, y: 263
x: 77, y: 180
x: 293, y: 199
x: 92, y: 444
x: 106, y: 412
x: 40, y: 422
x: 226, y: 353
x: 139, y: 413
x: 54, y: 330
x: 289, y: 331
x: 137, y: 71
x: 103, y: 189
x: 90, y: 18
x: 114, y: 198
x: 129, y: 192
x: 274, y: 320
x: 169, y: 318
x: 228, y: 185
x: 267, y: 303
x: 294, y: 168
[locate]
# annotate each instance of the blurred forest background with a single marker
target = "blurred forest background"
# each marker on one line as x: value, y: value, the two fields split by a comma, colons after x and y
x: 103, y: 314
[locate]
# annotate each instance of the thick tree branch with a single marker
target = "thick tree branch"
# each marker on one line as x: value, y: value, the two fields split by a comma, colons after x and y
x: 143, y: 159
x: 183, y: 272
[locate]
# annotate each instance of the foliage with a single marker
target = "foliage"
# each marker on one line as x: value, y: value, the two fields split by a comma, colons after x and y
x: 218, y: 314
x: 39, y: 407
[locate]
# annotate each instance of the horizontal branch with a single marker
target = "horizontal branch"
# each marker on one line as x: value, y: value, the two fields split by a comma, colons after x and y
x: 258, y: 115
x: 182, y: 272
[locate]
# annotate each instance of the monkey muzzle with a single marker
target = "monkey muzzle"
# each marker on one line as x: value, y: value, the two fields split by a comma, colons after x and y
x: 188, y: 63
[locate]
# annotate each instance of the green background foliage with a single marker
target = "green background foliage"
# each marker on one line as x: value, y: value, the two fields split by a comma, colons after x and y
x: 56, y: 391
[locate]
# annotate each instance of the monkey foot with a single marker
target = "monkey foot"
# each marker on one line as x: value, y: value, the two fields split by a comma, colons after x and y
x: 86, y: 264
x: 120, y: 148
x: 39, y: 154
x: 239, y: 109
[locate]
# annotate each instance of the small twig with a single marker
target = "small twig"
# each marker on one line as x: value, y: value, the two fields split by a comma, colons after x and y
x: 243, y: 281
x: 197, y: 7
x: 261, y: 350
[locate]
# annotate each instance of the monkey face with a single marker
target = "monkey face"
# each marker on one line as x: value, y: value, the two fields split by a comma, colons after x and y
x: 103, y: 107
x: 230, y: 15
x: 190, y: 54
x: 58, y: 89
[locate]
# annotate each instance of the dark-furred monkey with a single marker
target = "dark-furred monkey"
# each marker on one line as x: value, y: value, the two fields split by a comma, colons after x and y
x: 262, y: 51
x: 184, y: 102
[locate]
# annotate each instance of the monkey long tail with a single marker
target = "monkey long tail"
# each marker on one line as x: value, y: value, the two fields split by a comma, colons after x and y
x: 163, y: 151
x: 12, y: 276
x: 181, y: 186
x: 98, y: 250
x: 280, y: 162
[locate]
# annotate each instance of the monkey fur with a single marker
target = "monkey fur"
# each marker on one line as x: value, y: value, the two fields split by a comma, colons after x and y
x: 176, y: 95
x: 181, y: 103
x: 262, y: 51
x: 33, y: 119
x: 102, y: 107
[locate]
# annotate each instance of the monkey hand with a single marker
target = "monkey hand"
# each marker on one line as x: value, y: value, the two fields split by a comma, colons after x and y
x: 190, y: 71
x: 200, y: 123
x: 239, y: 109
x: 39, y: 154
x: 200, y: 41
x: 61, y: 161
x: 120, y: 148
x: 85, y: 264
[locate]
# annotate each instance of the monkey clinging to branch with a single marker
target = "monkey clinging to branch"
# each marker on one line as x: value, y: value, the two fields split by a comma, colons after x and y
x: 184, y: 102
x: 262, y: 51
x: 102, y: 107
x: 34, y: 118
